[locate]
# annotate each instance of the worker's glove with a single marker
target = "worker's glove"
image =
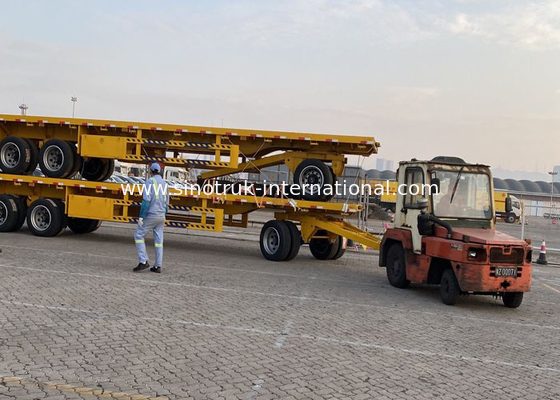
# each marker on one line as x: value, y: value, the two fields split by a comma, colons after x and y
x: 140, y: 221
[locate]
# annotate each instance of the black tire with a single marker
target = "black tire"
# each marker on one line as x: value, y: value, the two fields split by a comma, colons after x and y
x: 450, y: 289
x: 15, y: 155
x: 323, y: 248
x: 275, y: 240
x: 78, y: 161
x: 98, y: 169
x: 512, y: 300
x: 296, y: 240
x: 110, y: 169
x: 46, y: 218
x: 21, y: 212
x: 341, y: 249
x: 396, y: 267
x: 510, y: 219
x: 8, y: 213
x: 83, y: 225
x: 34, y: 157
x: 335, y: 179
x: 56, y: 158
x: 313, y: 172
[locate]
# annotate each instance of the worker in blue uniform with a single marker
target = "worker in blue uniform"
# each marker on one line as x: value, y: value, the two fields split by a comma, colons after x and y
x: 155, y: 205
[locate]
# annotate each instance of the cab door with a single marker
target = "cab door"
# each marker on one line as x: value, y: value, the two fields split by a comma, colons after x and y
x: 414, y: 179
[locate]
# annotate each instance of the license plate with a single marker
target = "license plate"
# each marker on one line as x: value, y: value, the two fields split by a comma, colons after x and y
x: 506, y: 271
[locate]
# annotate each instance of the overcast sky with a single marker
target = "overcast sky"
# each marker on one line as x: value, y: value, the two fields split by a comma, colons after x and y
x: 477, y: 79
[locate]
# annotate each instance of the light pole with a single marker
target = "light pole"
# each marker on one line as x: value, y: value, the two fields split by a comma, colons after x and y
x: 74, y: 101
x: 23, y: 107
x: 551, y: 173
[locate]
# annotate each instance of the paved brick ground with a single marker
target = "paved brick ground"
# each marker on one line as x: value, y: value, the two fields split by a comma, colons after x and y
x: 221, y: 322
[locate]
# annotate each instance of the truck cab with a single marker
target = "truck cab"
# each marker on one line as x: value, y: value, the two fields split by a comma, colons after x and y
x: 444, y: 233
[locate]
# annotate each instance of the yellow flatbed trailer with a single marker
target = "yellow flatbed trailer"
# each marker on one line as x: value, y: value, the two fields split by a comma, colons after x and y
x: 49, y: 205
x: 224, y: 151
x: 68, y: 147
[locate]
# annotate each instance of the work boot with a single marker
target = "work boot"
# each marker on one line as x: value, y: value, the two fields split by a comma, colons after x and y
x: 157, y: 270
x: 141, y: 267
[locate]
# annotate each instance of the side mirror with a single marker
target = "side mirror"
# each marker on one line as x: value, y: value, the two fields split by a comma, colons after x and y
x: 508, y: 204
x: 422, y: 203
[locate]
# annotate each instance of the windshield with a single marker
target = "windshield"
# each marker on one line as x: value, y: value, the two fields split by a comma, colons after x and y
x: 462, y: 195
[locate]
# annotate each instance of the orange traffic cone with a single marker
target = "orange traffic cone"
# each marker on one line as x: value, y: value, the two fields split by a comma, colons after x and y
x: 542, y: 254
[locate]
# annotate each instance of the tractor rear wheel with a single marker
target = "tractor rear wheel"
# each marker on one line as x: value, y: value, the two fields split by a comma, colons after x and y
x: 512, y: 300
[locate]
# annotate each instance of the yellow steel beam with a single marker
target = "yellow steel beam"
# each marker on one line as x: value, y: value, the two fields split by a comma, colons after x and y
x: 310, y: 224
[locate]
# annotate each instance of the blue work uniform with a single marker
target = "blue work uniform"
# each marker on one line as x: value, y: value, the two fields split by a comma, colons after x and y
x: 154, y: 207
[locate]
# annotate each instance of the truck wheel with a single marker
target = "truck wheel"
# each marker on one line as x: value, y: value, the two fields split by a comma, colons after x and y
x: 98, y: 169
x: 83, y: 225
x: 15, y: 155
x: 275, y: 240
x: 396, y: 267
x: 450, y: 289
x: 56, y: 158
x: 316, y: 173
x: 510, y: 219
x: 295, y: 236
x: 34, y: 157
x: 46, y: 218
x: 9, y: 217
x: 512, y: 300
x: 322, y: 248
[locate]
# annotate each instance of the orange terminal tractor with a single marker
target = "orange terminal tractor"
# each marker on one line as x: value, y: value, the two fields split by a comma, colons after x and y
x: 445, y: 234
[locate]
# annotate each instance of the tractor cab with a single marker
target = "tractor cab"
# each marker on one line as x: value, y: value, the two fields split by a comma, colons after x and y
x: 444, y: 233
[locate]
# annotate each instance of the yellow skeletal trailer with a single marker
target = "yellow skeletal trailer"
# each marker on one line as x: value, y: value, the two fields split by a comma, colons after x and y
x: 50, y: 205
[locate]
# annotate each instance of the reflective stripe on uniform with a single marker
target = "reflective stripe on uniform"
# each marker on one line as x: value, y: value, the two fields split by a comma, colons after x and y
x: 158, y: 244
x: 157, y: 189
x: 139, y: 241
x: 156, y: 186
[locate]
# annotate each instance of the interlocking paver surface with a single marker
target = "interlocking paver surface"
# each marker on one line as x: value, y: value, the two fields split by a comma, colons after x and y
x: 223, y: 323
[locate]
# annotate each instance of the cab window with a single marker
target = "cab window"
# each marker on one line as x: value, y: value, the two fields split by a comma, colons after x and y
x: 414, y: 176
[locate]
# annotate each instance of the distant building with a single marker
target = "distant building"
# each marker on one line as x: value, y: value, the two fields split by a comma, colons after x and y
x: 556, y: 169
x: 382, y: 164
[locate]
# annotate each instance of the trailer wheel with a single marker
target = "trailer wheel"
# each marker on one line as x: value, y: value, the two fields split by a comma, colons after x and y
x: 21, y: 212
x: 8, y: 213
x: 295, y: 242
x: 78, y: 161
x: 15, y: 155
x: 316, y: 173
x: 323, y: 248
x: 510, y: 219
x: 275, y: 240
x: 56, y: 158
x: 450, y: 289
x: 83, y: 225
x: 396, y: 267
x: 46, y: 218
x: 34, y: 157
x: 110, y: 169
x: 512, y: 300
x: 341, y: 249
x: 98, y: 169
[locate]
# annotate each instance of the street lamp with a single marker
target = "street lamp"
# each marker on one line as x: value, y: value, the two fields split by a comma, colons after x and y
x: 551, y: 173
x: 74, y: 101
